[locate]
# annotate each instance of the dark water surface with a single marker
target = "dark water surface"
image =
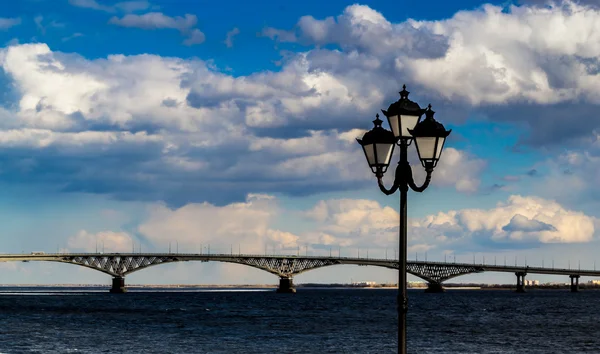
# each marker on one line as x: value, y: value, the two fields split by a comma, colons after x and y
x: 52, y: 320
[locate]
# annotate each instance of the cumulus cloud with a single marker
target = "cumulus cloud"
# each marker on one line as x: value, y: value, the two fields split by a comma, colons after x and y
x: 158, y: 20
x: 362, y: 29
x: 249, y: 227
x: 519, y: 220
x: 352, y: 224
x: 170, y: 104
x: 107, y: 241
x: 264, y: 113
x: 520, y: 223
x: 58, y: 90
x: 557, y: 2
x: 260, y: 224
x: 493, y: 58
x: 247, y: 224
x: 533, y: 69
x: 456, y: 168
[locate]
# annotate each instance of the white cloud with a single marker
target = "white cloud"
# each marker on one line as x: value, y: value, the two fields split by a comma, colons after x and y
x: 55, y: 89
x: 91, y: 4
x: 286, y: 240
x: 132, y: 6
x: 178, y: 99
x: 125, y: 6
x: 319, y: 154
x: 42, y: 28
x: 280, y: 35
x: 350, y: 222
x: 107, y: 241
x: 38, y: 22
x: 247, y: 224
x: 557, y: 2
x: 158, y: 20
x: 520, y: 219
x: 229, y: 37
x: 196, y: 37
x: 120, y: 88
x: 323, y: 94
x: 571, y: 175
x: 43, y: 138
x: 456, y: 168
x: 482, y: 56
x: 183, y: 130
x: 359, y: 224
x: 73, y: 36
x: 12, y: 42
x: 6, y: 23
x: 532, y: 65
x: 250, y: 226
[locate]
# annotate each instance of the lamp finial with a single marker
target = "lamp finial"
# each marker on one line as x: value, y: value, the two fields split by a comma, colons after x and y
x: 377, y: 121
x: 404, y: 93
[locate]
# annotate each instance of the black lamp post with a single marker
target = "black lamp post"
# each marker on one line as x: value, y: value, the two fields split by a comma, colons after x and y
x: 378, y: 144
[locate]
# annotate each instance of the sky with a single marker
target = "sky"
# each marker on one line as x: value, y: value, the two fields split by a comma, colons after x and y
x: 195, y: 124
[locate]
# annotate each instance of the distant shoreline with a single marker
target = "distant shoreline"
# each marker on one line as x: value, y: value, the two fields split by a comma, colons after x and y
x: 209, y: 286
x: 305, y: 285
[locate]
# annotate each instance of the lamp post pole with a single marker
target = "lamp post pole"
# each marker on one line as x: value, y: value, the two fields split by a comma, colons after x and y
x: 402, y: 243
x: 403, y: 180
x: 378, y: 145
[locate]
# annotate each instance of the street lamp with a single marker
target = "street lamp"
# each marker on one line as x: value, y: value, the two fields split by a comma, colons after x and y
x: 404, y: 117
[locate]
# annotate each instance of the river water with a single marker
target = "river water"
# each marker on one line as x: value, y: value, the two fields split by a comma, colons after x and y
x: 88, y: 320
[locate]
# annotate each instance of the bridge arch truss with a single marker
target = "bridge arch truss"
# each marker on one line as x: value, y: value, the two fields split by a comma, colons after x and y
x: 283, y: 266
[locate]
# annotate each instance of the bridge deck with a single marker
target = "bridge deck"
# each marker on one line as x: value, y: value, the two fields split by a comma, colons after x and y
x: 389, y: 263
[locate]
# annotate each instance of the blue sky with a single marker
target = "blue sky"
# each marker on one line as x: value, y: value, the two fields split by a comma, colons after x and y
x: 144, y: 123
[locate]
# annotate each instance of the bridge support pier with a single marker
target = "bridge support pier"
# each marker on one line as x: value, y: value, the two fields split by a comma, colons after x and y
x: 434, y: 288
x: 286, y: 286
x: 118, y: 286
x: 520, y: 281
x: 574, y: 283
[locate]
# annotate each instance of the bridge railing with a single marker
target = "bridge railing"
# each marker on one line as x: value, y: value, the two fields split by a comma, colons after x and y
x: 215, y: 255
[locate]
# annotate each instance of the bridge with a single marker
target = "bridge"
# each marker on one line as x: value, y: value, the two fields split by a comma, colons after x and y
x: 118, y: 265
